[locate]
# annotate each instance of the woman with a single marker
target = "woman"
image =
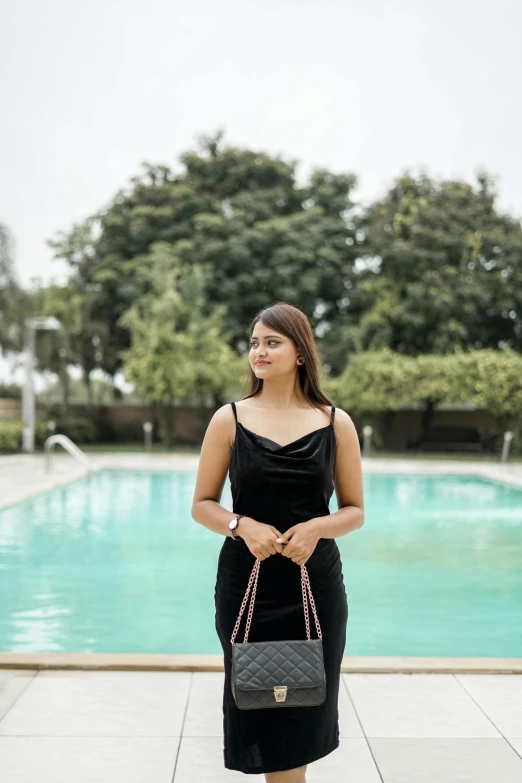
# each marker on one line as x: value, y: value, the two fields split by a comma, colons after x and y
x: 286, y: 448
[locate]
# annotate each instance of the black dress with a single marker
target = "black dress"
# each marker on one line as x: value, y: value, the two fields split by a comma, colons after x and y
x: 281, y: 486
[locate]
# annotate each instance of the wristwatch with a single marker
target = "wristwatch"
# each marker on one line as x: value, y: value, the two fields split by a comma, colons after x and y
x: 232, y: 525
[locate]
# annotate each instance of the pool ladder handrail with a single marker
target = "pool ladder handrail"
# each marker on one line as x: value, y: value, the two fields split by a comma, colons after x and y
x: 68, y: 445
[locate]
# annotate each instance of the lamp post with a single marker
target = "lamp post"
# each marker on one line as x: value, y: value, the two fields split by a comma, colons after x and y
x: 28, y: 402
x: 367, y: 439
x: 147, y: 431
x: 508, y: 437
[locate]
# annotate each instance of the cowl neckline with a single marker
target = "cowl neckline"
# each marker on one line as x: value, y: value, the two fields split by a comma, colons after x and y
x: 280, y: 446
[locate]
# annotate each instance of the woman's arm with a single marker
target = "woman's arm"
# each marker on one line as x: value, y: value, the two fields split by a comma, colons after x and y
x: 214, y: 459
x: 213, y: 465
x: 347, y: 482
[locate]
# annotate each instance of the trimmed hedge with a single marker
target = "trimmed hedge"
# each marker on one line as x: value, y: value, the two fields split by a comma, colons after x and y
x: 10, y: 434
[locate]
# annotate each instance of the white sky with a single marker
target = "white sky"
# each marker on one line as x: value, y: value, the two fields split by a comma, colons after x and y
x: 91, y: 89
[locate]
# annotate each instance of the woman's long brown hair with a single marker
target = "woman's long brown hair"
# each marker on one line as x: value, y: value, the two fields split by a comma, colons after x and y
x: 293, y: 323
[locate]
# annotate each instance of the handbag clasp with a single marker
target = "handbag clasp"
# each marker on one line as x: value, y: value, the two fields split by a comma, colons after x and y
x: 280, y: 692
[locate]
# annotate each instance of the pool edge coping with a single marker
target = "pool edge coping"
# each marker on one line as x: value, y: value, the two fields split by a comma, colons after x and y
x: 46, y: 485
x: 214, y: 663
x: 491, y: 471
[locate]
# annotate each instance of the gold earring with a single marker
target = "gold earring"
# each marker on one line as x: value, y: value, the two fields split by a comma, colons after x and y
x: 300, y: 361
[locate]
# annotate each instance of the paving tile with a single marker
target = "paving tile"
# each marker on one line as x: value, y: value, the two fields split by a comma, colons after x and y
x: 516, y: 743
x: 349, y: 725
x: 13, y: 683
x: 448, y: 760
x: 416, y: 705
x: 87, y: 759
x: 105, y: 703
x: 351, y: 761
x: 201, y: 760
x: 204, y: 716
x: 500, y: 696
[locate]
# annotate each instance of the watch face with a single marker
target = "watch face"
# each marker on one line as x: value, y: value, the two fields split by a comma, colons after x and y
x: 233, y: 523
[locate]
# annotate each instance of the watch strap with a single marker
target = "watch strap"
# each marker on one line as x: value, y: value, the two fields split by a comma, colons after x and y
x: 232, y: 532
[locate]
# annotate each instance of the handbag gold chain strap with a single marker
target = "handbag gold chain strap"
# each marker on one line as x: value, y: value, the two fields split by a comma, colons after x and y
x: 252, y: 585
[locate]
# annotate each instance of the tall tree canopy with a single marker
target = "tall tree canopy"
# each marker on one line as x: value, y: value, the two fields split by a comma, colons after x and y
x: 239, y: 215
x: 430, y: 267
x: 441, y: 267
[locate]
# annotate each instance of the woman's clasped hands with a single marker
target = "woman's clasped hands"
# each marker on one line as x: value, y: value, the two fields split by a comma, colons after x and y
x: 297, y: 543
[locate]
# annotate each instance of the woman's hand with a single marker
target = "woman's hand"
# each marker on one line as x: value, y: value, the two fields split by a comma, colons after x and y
x: 261, y: 539
x: 302, y: 540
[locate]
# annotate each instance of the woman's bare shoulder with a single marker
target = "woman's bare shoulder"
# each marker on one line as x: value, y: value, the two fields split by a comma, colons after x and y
x: 223, y: 417
x: 344, y: 425
x: 222, y: 425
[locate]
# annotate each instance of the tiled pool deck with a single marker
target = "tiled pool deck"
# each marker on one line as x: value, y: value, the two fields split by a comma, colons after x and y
x: 159, y: 727
x: 84, y: 718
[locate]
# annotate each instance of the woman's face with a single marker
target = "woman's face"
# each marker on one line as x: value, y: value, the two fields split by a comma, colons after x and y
x: 271, y: 353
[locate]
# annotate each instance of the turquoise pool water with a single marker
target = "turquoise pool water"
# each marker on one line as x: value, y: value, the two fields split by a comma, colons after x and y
x: 114, y: 563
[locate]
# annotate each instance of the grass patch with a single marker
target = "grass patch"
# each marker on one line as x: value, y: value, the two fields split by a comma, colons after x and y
x: 136, y: 448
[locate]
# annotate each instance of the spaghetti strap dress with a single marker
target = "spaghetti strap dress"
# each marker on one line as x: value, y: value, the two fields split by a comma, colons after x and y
x: 281, y: 485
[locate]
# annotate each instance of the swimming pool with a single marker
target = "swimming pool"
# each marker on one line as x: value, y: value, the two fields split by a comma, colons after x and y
x: 114, y: 563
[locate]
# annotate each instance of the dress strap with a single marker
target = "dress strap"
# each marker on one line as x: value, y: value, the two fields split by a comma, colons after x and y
x: 234, y: 409
x: 333, y: 414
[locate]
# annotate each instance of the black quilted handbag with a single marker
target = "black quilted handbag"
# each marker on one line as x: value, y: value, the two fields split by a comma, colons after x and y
x: 279, y: 673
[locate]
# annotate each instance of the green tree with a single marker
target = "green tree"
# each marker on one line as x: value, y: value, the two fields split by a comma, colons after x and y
x: 440, y: 267
x: 377, y: 383
x: 241, y: 216
x: 80, y: 306
x: 492, y: 380
x: 177, y: 351
x: 78, y: 341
